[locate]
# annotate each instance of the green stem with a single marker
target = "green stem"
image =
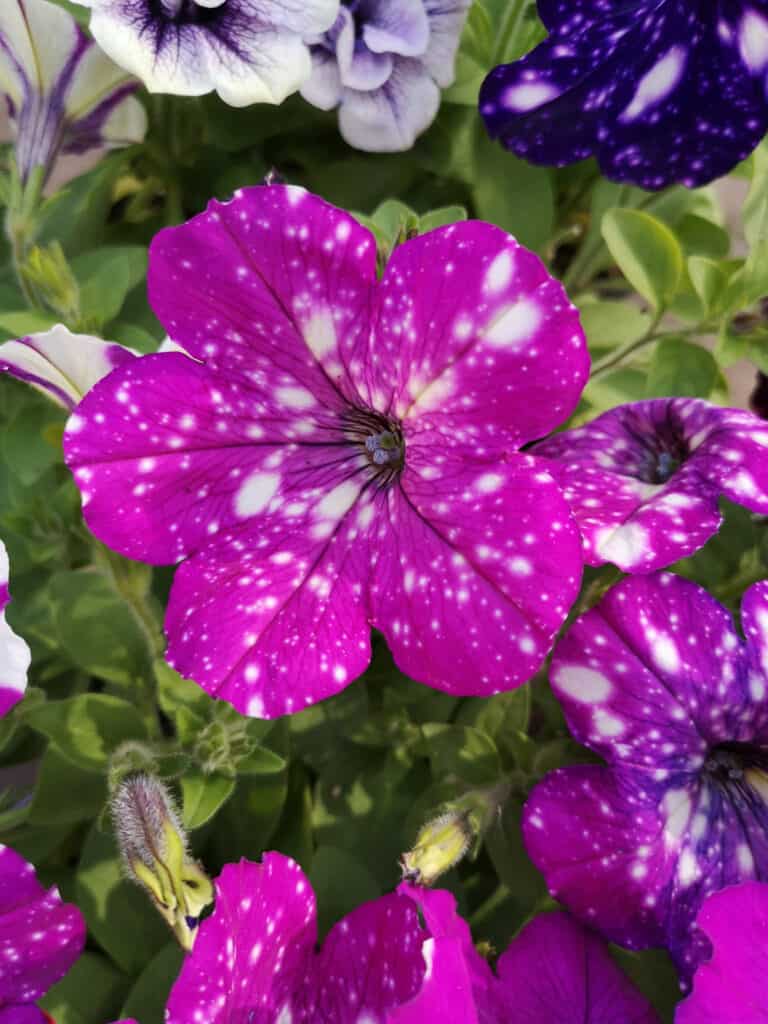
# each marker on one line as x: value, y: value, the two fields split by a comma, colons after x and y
x: 650, y: 336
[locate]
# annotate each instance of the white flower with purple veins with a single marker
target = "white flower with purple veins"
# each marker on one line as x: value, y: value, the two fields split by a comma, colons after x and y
x: 14, y: 653
x: 248, y: 51
x: 383, y: 64
x: 63, y: 94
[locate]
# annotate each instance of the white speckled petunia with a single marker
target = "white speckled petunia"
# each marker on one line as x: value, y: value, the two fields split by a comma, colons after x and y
x: 644, y: 479
x: 248, y: 51
x: 14, y: 653
x: 64, y: 95
x: 657, y: 681
x: 341, y: 452
x: 61, y: 365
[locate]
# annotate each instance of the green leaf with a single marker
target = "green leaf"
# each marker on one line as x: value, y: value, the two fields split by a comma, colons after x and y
x: 709, y: 278
x: 26, y: 321
x: 441, y: 217
x: 119, y: 914
x: 608, y: 324
x: 106, y: 275
x: 261, y: 761
x: 341, y: 883
x: 202, y: 796
x: 497, y: 715
x: 681, y: 368
x: 87, y: 728
x: 89, y: 993
x: 64, y: 793
x: 700, y: 237
x: 474, y: 58
x: 462, y: 751
x: 647, y: 253
x: 175, y: 692
x: 512, y: 194
x: 146, y: 1000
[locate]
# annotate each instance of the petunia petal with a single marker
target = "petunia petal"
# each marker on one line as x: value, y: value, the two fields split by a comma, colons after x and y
x: 465, y: 316
x: 40, y: 937
x: 555, y: 966
x: 446, y: 21
x: 476, y: 566
x: 14, y: 652
x: 730, y: 987
x: 397, y: 26
x: 62, y: 365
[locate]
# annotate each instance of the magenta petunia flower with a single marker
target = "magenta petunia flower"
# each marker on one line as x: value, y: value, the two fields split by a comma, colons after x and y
x: 730, y: 987
x: 341, y: 452
x: 660, y: 91
x: 657, y: 681
x: 254, y: 960
x: 643, y: 480
x: 40, y: 939
x: 14, y: 653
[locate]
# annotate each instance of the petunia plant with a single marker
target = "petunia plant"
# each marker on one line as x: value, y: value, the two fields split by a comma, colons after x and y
x: 383, y: 504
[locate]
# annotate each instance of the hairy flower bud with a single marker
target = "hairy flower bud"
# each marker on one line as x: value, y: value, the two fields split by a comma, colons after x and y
x: 439, y: 846
x: 153, y: 846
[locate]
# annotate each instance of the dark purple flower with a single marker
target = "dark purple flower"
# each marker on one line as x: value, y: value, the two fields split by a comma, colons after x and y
x: 40, y: 939
x: 248, y: 51
x: 63, y: 366
x: 255, y: 961
x: 63, y: 94
x: 730, y: 987
x: 643, y: 480
x: 660, y: 91
x: 344, y: 454
x: 657, y: 681
x: 383, y: 64
x: 14, y: 653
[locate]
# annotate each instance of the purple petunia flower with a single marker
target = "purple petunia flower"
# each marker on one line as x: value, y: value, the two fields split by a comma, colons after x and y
x: 61, y: 365
x: 383, y: 64
x: 63, y: 94
x: 660, y: 91
x: 643, y: 480
x: 248, y: 51
x: 14, y: 653
x: 657, y: 680
x: 730, y: 987
x: 254, y: 960
x: 341, y: 452
x: 40, y: 939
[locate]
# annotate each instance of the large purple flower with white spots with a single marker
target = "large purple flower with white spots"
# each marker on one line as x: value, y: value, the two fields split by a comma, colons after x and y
x: 657, y: 681
x: 383, y: 64
x: 254, y: 960
x: 63, y: 94
x: 248, y: 51
x: 40, y: 939
x: 643, y: 480
x: 660, y: 91
x: 341, y: 452
x: 14, y: 653
x: 730, y: 987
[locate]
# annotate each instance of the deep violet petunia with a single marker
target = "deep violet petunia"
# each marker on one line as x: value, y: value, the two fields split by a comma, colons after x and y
x: 248, y: 51
x: 405, y: 958
x: 660, y: 91
x: 14, y: 653
x: 656, y: 679
x: 383, y: 63
x: 62, y: 365
x: 63, y: 94
x: 40, y: 939
x: 341, y: 453
x: 643, y: 480
x: 730, y: 987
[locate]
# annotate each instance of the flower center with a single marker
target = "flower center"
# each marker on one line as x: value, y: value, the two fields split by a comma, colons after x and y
x: 664, y: 450
x: 740, y: 769
x: 380, y: 439
x: 186, y: 11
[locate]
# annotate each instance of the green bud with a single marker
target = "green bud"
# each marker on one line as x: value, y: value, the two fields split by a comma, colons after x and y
x: 47, y: 274
x: 154, y: 850
x: 440, y: 845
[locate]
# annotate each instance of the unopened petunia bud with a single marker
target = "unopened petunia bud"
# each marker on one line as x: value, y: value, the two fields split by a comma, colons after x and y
x: 439, y: 846
x: 154, y: 850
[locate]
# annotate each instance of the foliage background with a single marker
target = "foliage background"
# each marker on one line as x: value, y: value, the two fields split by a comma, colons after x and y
x: 344, y: 786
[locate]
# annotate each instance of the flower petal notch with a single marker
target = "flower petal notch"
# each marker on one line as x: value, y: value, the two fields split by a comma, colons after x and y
x: 247, y: 52
x: 14, y: 653
x: 657, y: 681
x: 64, y: 95
x: 61, y: 365
x: 660, y: 92
x: 383, y: 64
x: 344, y: 454
x: 40, y: 939
x: 730, y: 987
x: 643, y: 480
